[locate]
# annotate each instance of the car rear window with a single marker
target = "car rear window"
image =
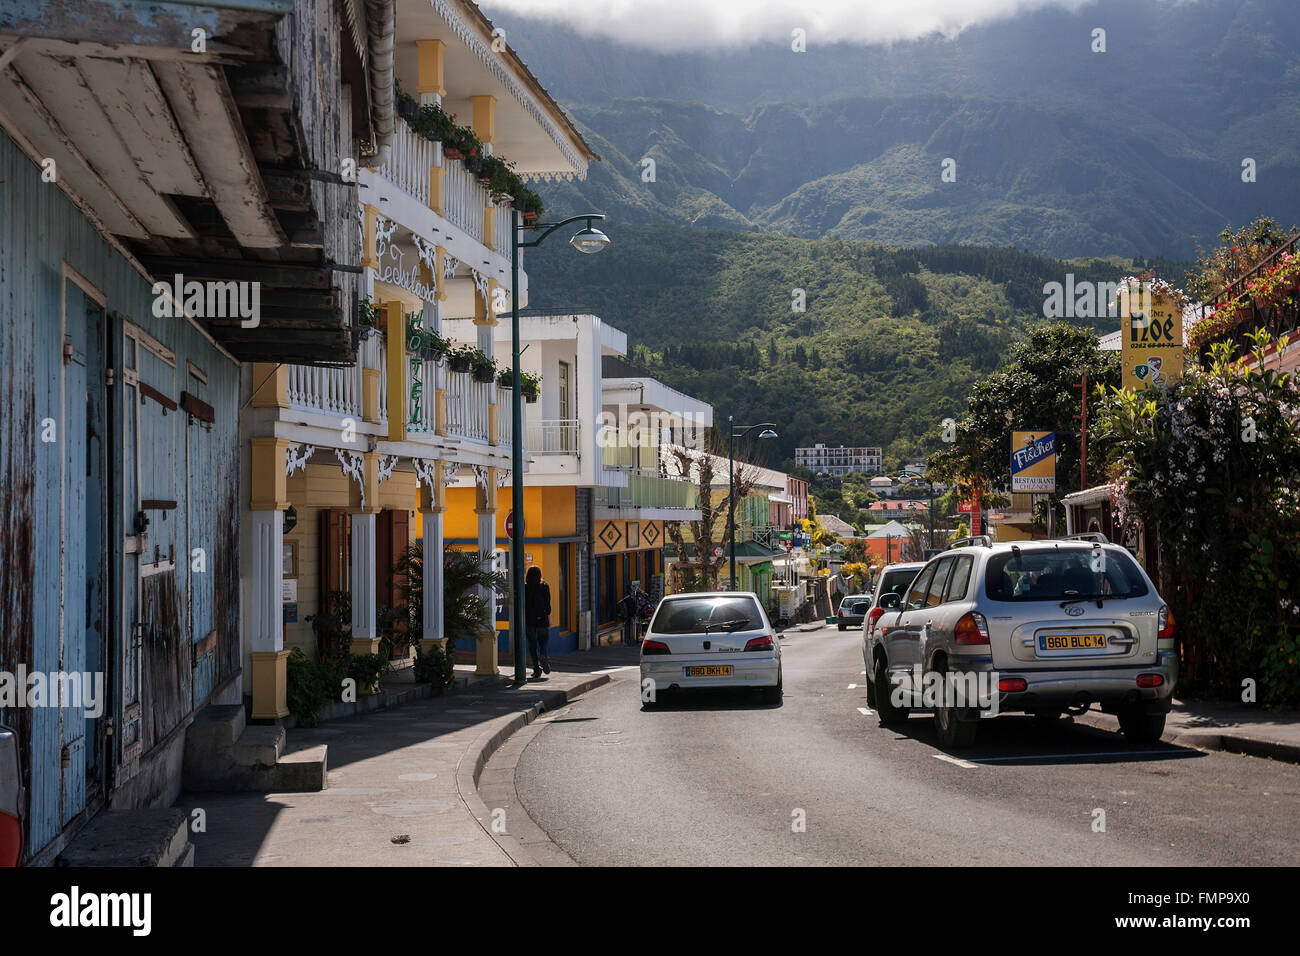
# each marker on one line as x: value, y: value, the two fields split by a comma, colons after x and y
x: 896, y: 582
x: 692, y: 615
x: 1060, y: 574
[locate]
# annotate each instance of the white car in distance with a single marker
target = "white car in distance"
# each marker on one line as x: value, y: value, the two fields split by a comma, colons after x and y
x: 710, y: 640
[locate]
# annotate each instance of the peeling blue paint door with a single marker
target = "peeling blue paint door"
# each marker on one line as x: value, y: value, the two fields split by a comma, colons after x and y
x: 83, y: 535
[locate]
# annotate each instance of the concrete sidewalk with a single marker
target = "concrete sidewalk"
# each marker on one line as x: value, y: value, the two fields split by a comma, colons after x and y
x: 1233, y: 728
x: 402, y: 782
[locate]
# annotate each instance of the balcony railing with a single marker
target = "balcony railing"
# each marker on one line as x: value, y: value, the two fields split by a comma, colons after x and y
x: 646, y: 489
x: 467, y: 406
x: 464, y: 196
x: 339, y: 392
x: 410, y: 159
x: 554, y: 437
x: 330, y: 391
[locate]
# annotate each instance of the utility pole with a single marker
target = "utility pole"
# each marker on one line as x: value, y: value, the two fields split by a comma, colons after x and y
x: 1083, y: 431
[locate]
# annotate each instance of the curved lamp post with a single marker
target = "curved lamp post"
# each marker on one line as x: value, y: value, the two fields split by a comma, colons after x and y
x: 588, y: 240
x: 732, y: 432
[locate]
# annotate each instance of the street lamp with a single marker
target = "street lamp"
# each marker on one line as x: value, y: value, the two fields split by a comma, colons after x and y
x: 732, y: 432
x: 587, y: 240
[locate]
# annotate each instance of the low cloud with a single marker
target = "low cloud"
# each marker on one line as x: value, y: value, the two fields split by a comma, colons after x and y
x: 677, y: 26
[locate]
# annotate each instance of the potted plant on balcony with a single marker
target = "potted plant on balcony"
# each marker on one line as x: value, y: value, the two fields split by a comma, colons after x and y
x: 434, y: 123
x: 435, y: 347
x: 506, y: 378
x: 459, y: 358
x: 530, y: 386
x: 365, y: 312
x: 484, y: 368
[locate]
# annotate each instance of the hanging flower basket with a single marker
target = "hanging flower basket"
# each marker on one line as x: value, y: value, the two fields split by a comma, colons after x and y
x: 530, y: 216
x: 459, y: 362
x: 529, y: 396
x: 484, y: 374
x: 452, y: 152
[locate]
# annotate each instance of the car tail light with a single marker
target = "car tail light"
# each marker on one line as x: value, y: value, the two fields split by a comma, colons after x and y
x: 654, y: 647
x: 1150, y: 680
x: 11, y: 840
x: 876, y: 614
x: 971, y: 628
x: 1012, y: 685
x: 11, y: 799
x: 759, y: 643
x: 1166, y: 624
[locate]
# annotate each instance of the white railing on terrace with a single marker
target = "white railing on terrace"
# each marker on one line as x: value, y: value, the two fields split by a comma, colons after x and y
x: 505, y: 423
x: 554, y: 437
x: 467, y: 406
x: 333, y: 391
x: 409, y: 160
x: 501, y: 228
x: 464, y: 197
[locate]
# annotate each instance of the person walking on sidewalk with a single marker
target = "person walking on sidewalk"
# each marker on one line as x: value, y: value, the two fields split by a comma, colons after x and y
x: 537, y: 619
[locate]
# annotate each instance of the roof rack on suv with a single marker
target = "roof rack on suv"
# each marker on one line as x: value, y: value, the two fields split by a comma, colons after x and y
x: 1087, y: 536
x: 975, y: 541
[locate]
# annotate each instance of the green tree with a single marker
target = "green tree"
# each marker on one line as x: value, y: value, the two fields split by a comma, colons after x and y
x: 1036, y: 389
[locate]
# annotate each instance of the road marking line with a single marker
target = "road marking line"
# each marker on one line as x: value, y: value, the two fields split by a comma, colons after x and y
x: 852, y: 686
x: 965, y: 764
x: 1108, y: 753
x: 864, y: 712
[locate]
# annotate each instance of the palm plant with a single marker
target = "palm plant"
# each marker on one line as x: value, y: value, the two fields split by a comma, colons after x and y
x: 464, y: 608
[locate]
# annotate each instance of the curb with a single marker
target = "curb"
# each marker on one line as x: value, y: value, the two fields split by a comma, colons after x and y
x: 1209, y: 740
x: 470, y: 766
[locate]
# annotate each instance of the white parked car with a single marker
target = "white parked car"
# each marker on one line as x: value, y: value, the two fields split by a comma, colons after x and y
x: 712, y: 639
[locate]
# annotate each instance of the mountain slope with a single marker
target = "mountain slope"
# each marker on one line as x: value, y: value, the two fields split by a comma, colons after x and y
x: 886, y: 348
x: 1135, y: 151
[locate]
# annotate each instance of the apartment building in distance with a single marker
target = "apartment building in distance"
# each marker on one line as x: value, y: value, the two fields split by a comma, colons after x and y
x: 822, y: 459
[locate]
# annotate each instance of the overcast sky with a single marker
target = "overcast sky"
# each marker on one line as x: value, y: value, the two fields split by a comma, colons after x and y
x: 680, y: 25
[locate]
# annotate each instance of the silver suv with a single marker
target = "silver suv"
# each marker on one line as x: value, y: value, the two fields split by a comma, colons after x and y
x: 1059, y: 625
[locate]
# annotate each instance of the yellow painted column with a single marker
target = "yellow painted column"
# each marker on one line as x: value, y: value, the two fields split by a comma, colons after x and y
x: 270, y: 385
x: 431, y: 67
x: 484, y: 122
x: 369, y: 255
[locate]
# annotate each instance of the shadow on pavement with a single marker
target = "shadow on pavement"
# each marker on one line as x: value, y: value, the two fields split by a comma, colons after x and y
x: 1020, y: 740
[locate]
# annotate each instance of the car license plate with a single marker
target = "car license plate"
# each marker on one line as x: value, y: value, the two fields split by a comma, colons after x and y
x: 1072, y: 642
x: 709, y: 670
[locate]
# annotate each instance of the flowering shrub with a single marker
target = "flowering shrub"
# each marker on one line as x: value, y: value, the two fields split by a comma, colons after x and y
x: 1213, y: 466
x: 1275, y: 286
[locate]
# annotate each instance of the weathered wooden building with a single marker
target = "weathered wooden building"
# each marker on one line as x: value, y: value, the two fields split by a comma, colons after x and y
x: 145, y: 146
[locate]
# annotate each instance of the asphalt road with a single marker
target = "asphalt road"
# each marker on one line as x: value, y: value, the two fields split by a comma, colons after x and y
x: 725, y: 779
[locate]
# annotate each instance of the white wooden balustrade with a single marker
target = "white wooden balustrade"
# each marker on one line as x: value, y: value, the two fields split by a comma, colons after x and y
x: 409, y: 160
x: 333, y: 391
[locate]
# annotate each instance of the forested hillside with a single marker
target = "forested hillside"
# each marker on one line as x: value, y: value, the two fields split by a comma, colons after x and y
x: 886, y: 347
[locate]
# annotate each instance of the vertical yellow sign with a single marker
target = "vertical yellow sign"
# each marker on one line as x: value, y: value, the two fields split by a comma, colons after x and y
x: 1151, y: 332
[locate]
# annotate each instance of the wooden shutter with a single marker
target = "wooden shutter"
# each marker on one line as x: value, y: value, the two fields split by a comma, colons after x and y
x: 335, y: 552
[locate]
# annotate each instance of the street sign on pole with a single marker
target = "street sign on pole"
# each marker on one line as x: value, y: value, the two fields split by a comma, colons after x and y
x: 510, y: 526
